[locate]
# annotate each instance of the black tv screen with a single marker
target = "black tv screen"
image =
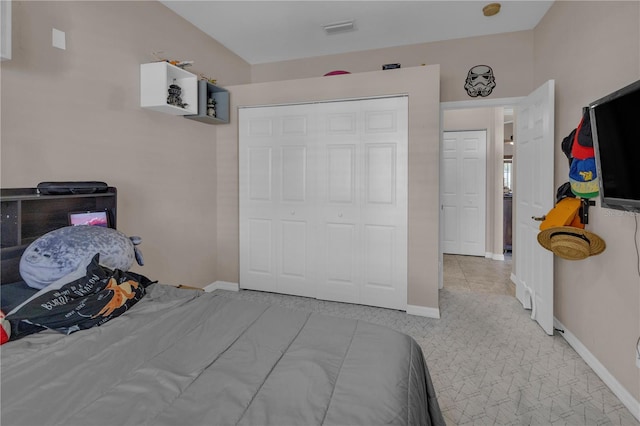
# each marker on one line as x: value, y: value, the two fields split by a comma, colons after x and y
x: 615, y: 127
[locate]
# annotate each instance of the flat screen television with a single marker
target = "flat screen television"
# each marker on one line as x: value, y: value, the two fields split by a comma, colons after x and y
x: 615, y: 128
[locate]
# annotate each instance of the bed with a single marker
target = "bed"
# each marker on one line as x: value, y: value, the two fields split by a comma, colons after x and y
x: 187, y: 357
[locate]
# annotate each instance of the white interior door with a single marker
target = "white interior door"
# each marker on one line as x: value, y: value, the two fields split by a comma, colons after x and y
x: 534, y: 196
x: 276, y: 234
x: 363, y: 201
x: 339, y: 202
x: 324, y: 199
x: 463, y: 192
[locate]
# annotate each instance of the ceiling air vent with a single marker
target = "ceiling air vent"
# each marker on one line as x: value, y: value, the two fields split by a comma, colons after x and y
x: 339, y: 27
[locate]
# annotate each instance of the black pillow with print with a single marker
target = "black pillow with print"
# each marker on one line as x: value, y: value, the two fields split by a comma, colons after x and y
x: 90, y: 301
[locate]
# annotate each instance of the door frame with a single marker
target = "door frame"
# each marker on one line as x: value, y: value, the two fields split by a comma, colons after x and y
x: 454, y: 105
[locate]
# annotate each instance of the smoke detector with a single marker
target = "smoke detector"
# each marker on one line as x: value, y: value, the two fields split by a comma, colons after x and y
x: 339, y: 27
x: 491, y: 9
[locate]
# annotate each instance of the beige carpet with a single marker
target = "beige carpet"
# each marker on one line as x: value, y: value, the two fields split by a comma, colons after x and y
x: 490, y: 363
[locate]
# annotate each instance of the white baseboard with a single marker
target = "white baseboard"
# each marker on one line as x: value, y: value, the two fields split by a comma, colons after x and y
x: 423, y: 311
x: 222, y: 285
x: 494, y: 256
x: 623, y: 395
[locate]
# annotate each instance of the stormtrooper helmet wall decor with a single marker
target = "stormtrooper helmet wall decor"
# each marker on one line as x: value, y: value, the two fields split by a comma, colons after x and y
x: 480, y: 81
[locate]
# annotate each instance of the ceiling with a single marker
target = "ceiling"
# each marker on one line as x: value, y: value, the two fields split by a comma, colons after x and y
x: 270, y: 31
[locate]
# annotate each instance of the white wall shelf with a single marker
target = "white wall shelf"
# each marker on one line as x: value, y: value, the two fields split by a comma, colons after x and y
x: 155, y: 79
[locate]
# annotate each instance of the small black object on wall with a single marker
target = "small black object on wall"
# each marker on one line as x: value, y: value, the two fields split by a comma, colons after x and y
x: 480, y: 81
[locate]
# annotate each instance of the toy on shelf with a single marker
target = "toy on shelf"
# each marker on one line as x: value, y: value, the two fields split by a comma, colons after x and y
x: 174, y: 95
x: 205, y: 78
x: 211, y: 107
x: 179, y: 64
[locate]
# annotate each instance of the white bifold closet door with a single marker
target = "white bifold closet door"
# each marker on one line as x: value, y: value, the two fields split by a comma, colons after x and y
x: 323, y: 200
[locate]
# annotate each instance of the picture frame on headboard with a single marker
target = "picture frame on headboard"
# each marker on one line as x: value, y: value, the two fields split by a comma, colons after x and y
x: 92, y: 218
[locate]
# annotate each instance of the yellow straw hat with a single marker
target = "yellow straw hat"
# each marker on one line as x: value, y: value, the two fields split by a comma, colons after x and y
x: 571, y: 243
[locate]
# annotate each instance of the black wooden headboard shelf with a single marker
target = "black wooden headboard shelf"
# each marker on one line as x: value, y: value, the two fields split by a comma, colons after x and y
x: 26, y: 215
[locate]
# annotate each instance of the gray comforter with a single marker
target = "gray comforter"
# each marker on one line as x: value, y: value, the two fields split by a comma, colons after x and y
x: 184, y: 357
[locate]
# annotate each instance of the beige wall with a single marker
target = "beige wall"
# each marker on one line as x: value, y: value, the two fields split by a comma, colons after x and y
x: 422, y: 86
x: 490, y: 119
x: 592, y: 49
x: 510, y: 55
x: 74, y: 114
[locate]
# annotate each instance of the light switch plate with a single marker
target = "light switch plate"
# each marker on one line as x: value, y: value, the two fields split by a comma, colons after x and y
x: 58, y: 39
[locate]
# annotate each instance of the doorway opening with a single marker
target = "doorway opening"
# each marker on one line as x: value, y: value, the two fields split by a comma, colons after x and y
x: 532, y: 271
x: 490, y: 271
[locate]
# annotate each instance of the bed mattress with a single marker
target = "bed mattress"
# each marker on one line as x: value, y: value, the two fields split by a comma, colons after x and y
x: 182, y: 357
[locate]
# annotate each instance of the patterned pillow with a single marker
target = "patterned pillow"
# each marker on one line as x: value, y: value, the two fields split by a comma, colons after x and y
x: 60, y: 252
x: 90, y: 300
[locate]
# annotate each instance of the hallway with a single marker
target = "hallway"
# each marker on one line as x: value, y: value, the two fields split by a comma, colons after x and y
x: 477, y: 274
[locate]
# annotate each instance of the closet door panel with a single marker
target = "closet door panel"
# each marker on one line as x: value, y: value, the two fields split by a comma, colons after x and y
x: 293, y: 258
x: 295, y: 212
x: 256, y: 197
x: 338, y: 197
x: 340, y: 276
x: 259, y: 255
x: 338, y: 217
x: 260, y: 246
x: 294, y: 174
x: 259, y: 174
x: 274, y: 188
x: 381, y: 120
x: 379, y: 256
x: 381, y: 269
x: 384, y: 205
x: 380, y: 174
x: 340, y: 179
x: 341, y: 120
x: 293, y: 124
x: 258, y: 127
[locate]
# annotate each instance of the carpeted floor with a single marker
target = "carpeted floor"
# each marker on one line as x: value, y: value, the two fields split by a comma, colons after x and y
x: 490, y: 364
